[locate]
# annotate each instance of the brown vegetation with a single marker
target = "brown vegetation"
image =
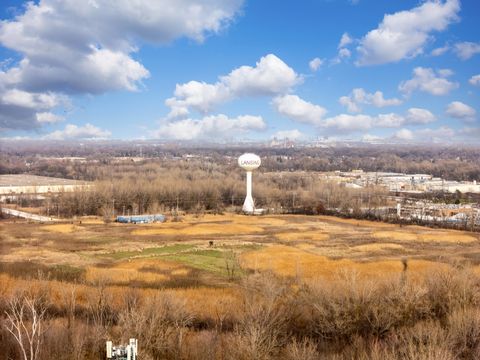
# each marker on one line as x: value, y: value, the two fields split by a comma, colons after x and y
x: 329, y: 289
x: 396, y: 318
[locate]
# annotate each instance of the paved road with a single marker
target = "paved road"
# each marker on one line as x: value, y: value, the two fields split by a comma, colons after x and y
x: 26, y: 215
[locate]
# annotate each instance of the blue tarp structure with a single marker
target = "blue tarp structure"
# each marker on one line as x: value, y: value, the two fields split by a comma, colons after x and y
x: 141, y: 219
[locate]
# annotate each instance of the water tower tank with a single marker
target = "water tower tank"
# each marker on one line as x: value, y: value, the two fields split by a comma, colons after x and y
x: 249, y: 162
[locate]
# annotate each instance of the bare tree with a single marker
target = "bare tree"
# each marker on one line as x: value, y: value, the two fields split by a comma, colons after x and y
x: 25, y: 317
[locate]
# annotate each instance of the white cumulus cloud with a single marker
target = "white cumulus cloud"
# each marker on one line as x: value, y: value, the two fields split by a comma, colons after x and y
x: 465, y: 50
x: 404, y: 134
x: 200, y: 96
x: 299, y: 110
x: 349, y: 123
x: 344, y: 53
x: 475, y: 80
x: 345, y: 40
x: 49, y: 118
x: 315, y: 64
x: 359, y: 96
x: 390, y: 120
x: 74, y: 132
x: 442, y: 134
x: 430, y: 81
x: 352, y: 123
x: 213, y: 127
x: 404, y: 34
x: 78, y: 47
x: 461, y: 111
x: 418, y: 116
x: 25, y: 110
x: 270, y: 76
x: 440, y: 51
x: 40, y: 101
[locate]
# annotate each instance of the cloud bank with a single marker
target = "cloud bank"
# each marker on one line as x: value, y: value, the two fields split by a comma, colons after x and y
x: 88, y: 47
x: 215, y: 127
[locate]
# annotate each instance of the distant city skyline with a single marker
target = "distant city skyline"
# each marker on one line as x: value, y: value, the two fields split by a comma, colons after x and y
x: 395, y: 71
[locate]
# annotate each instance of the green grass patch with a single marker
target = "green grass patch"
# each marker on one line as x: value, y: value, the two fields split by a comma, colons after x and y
x: 208, y: 260
x: 151, y: 252
x: 242, y: 248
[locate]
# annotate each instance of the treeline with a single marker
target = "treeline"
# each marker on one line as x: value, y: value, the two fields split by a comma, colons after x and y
x: 450, y: 163
x: 197, y: 186
x: 404, y: 317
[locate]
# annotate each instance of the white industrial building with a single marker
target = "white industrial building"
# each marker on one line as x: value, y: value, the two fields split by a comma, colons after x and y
x: 402, y: 182
x: 23, y: 184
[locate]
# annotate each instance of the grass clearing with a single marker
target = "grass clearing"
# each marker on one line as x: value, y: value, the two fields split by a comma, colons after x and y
x: 451, y: 236
x: 214, y: 261
x: 62, y: 228
x: 122, y: 276
x: 395, y: 235
x: 356, y: 222
x: 426, y: 236
x: 315, y: 245
x: 150, y: 252
x: 378, y: 247
x: 151, y: 272
x: 91, y: 220
x: 197, y: 229
x: 302, y: 236
x: 288, y: 261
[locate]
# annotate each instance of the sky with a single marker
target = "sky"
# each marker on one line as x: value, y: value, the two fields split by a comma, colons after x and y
x: 397, y: 71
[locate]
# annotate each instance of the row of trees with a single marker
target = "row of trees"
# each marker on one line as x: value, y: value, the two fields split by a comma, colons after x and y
x: 198, y: 186
x: 451, y: 163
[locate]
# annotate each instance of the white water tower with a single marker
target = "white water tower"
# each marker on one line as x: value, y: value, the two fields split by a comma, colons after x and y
x: 249, y: 162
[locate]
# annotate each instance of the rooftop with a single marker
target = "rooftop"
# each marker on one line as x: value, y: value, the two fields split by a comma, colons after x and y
x: 34, y: 180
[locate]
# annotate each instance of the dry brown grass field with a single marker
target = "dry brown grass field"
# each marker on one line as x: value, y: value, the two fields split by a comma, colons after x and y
x: 313, y: 243
x: 204, y: 263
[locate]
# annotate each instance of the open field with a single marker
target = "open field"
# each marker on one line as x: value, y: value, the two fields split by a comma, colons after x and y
x: 317, y: 246
x: 211, y: 273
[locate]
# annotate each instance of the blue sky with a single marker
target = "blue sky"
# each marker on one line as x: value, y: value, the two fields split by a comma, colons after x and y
x: 221, y: 70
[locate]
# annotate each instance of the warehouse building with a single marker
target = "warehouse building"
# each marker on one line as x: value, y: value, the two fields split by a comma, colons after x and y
x: 24, y: 184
